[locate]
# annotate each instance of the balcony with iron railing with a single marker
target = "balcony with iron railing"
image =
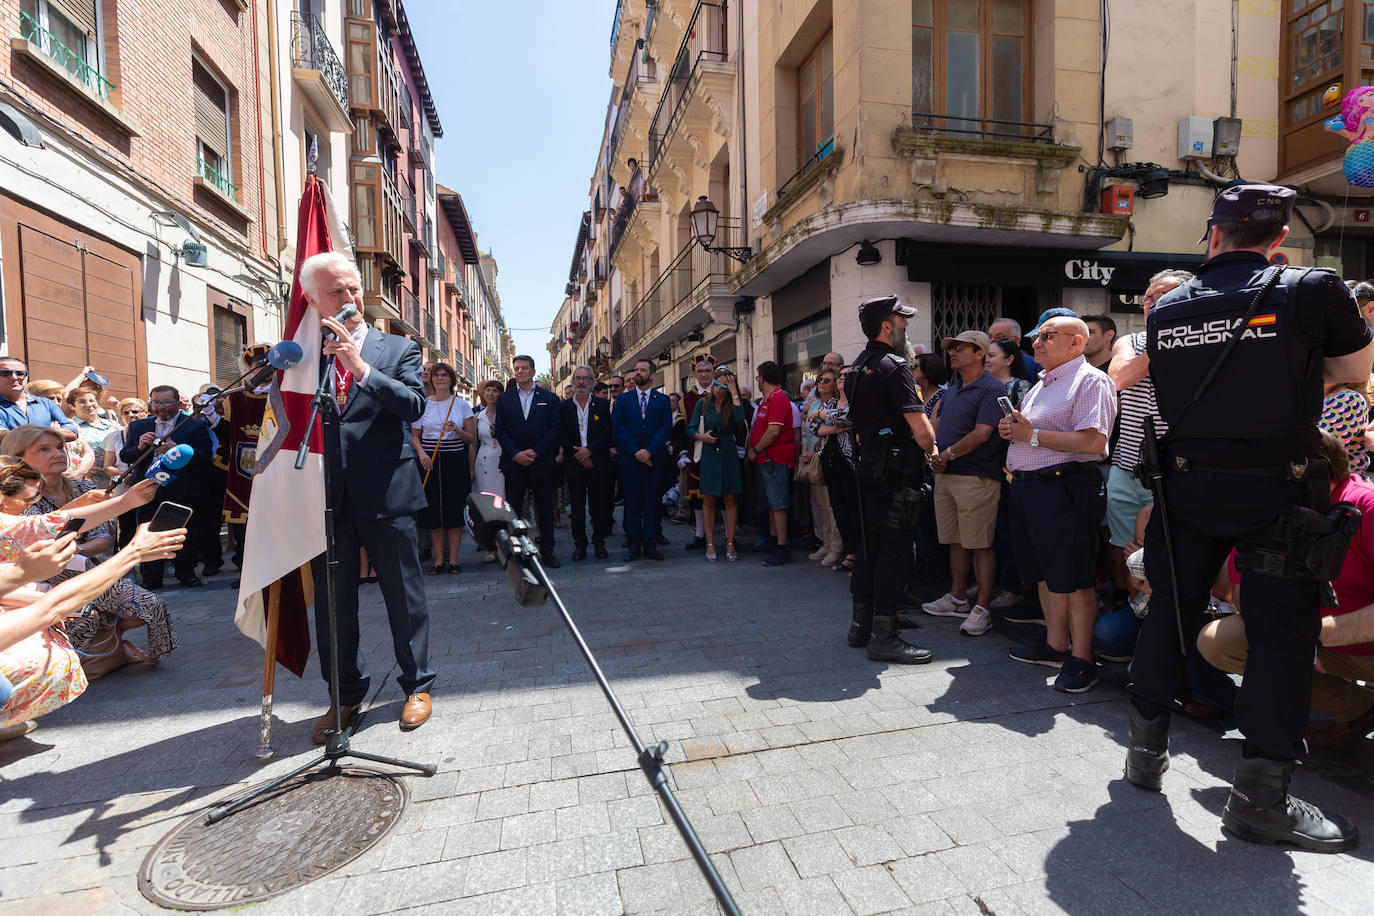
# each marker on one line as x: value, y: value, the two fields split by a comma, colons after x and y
x: 443, y: 346
x: 317, y: 70
x: 423, y: 241
x: 411, y: 320
x: 81, y: 71
x: 408, y: 203
x: 703, y: 54
x: 438, y: 267
x: 691, y: 289
x: 214, y: 179
x: 929, y: 123
x: 429, y: 327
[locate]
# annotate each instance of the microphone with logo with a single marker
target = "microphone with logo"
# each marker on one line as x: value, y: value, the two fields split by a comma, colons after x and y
x: 279, y: 358
x: 165, y: 467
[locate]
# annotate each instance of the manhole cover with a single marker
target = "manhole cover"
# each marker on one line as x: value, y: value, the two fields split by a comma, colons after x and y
x: 303, y: 831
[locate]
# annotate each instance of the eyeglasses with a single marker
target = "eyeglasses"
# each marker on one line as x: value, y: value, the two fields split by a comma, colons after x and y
x: 1044, y: 336
x: 14, y: 373
x: 162, y: 403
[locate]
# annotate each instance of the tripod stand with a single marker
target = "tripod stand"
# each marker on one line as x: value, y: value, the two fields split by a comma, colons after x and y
x: 336, y: 745
x: 494, y: 521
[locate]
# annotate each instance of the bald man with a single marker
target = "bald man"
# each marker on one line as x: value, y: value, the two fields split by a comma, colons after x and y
x: 1058, y: 496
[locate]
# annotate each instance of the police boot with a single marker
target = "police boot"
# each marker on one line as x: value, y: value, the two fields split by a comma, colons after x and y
x: 885, y: 646
x: 1260, y: 810
x: 862, y: 624
x: 1147, y: 750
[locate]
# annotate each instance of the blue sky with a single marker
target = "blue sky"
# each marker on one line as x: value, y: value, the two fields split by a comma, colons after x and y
x: 521, y: 90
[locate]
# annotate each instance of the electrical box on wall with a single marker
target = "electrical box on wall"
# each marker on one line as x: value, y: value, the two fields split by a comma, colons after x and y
x: 1120, y: 134
x: 1226, y: 137
x: 1195, y: 138
x: 1118, y: 199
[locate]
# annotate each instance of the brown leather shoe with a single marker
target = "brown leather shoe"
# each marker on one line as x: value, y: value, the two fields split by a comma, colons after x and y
x: 416, y: 711
x: 326, y: 723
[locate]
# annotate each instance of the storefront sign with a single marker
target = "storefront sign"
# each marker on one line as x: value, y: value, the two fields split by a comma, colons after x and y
x: 1125, y: 272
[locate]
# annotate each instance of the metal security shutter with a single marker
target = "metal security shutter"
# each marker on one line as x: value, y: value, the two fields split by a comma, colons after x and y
x: 230, y: 338
x: 211, y: 109
x: 957, y: 307
x: 81, y: 13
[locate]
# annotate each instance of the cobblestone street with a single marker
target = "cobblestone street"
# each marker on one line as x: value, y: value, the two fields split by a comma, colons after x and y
x: 819, y: 781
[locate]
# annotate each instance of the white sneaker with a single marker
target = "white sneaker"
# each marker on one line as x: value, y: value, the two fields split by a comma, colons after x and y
x: 946, y: 606
x: 820, y: 552
x: 1004, y: 600
x: 977, y: 623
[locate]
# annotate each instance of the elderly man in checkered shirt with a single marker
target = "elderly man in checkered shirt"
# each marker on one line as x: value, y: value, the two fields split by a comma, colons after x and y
x: 1057, y: 494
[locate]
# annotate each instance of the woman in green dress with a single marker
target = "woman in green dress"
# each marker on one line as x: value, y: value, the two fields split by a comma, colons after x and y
x: 717, y: 426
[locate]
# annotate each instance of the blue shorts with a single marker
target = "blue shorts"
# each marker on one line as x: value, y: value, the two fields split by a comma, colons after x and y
x: 1054, y: 528
x: 775, y: 481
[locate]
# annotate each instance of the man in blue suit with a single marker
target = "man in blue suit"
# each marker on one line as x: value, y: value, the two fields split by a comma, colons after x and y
x: 530, y: 431
x: 642, y: 421
x: 375, y: 494
x: 164, y: 404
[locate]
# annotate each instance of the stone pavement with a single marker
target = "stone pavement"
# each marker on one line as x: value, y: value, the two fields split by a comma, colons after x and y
x: 819, y: 781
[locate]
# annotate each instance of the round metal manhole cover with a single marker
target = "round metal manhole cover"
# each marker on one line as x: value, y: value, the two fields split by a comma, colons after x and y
x: 306, y: 829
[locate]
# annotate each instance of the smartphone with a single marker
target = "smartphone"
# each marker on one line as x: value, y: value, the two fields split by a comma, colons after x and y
x: 73, y: 525
x: 1004, y: 402
x: 170, y: 516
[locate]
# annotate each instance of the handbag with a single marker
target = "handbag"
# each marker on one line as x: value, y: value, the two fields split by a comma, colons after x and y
x: 815, y: 470
x: 701, y: 431
x: 104, y: 653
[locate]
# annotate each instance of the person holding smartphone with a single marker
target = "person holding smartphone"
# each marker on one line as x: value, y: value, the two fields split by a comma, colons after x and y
x: 717, y: 423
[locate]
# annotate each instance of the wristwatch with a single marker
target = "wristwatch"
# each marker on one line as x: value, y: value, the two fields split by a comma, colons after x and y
x: 1035, y: 438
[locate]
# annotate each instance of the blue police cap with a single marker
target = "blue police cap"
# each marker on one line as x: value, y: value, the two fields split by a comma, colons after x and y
x: 882, y: 306
x: 1252, y: 203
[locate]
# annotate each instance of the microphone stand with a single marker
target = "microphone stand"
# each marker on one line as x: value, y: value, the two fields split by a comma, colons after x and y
x: 532, y: 585
x: 336, y: 744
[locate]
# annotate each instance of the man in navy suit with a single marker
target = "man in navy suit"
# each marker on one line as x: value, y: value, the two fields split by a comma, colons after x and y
x: 164, y: 404
x: 375, y: 494
x: 529, y: 430
x: 642, y: 422
x: 587, y: 463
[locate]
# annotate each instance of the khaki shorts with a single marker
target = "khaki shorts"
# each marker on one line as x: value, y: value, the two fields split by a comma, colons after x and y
x: 966, y: 509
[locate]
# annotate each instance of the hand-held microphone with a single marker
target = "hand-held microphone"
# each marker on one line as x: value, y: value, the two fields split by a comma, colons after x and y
x: 282, y: 356
x: 165, y: 466
x: 346, y: 314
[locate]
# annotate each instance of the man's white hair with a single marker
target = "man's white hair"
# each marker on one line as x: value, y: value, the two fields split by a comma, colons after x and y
x: 312, y: 265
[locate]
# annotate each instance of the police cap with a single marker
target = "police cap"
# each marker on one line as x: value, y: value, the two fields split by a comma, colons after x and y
x: 882, y: 306
x: 1252, y: 203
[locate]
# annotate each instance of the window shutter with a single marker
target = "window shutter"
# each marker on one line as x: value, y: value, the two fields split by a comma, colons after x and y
x: 80, y: 12
x: 211, y: 110
x: 229, y: 343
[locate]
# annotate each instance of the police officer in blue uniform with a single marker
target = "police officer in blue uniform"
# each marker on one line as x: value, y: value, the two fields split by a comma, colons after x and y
x: 894, y: 440
x: 1239, y: 357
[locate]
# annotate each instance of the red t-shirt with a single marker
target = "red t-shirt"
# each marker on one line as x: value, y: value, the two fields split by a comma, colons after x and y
x: 776, y: 409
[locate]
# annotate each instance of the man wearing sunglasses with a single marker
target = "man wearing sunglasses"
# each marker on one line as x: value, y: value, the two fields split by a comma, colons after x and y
x: 19, y: 408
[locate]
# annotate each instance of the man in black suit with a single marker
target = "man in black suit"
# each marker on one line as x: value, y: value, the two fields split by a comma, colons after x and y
x: 376, y: 492
x: 587, y: 462
x: 529, y: 430
x: 192, y: 481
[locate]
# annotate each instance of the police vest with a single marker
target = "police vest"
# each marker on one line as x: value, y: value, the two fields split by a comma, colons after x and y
x: 1271, y: 384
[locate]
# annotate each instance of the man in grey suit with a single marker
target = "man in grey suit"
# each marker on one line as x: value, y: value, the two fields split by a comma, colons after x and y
x: 376, y: 491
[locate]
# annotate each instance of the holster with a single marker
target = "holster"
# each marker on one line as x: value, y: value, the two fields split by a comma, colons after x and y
x: 1305, y: 544
x: 904, y: 507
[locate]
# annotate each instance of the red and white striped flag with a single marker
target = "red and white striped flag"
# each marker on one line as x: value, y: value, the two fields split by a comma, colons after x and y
x: 286, y: 509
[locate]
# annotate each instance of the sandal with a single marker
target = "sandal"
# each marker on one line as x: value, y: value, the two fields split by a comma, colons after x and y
x: 454, y: 569
x: 489, y: 558
x: 435, y: 569
x: 845, y: 565
x: 711, y: 551
x: 730, y: 553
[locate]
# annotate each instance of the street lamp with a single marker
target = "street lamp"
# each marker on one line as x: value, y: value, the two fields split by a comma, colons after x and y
x: 603, y: 348
x: 705, y: 222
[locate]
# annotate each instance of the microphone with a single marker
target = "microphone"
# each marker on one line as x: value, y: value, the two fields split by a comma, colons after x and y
x: 346, y: 314
x: 494, y: 523
x: 165, y: 466
x: 282, y: 356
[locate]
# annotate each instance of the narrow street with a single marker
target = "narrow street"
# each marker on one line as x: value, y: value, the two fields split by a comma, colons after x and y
x: 820, y: 782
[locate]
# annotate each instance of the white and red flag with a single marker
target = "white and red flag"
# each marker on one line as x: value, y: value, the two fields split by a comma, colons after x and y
x: 286, y: 509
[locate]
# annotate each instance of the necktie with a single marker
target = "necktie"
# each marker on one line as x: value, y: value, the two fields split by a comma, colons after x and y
x: 343, y: 380
x: 643, y: 404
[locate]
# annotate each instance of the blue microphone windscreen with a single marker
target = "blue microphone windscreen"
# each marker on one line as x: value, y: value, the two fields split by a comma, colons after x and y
x: 177, y: 457
x: 284, y: 355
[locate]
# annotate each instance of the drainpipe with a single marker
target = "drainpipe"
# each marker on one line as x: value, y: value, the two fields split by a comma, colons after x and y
x: 274, y: 92
x: 257, y: 123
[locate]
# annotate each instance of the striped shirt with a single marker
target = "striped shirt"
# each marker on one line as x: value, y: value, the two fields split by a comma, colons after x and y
x: 432, y: 421
x: 1137, y: 403
x: 1068, y: 398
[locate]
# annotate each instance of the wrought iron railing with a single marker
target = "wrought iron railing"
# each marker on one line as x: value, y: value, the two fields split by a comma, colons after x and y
x: 825, y: 149
x: 430, y: 330
x: 408, y: 209
x: 681, y: 281
x: 926, y: 122
x: 439, y: 266
x: 86, y: 73
x: 311, y: 50
x: 410, y: 311
x: 704, y: 40
x: 220, y: 182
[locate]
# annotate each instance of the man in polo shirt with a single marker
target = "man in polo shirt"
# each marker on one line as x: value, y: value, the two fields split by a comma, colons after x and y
x: 773, y: 448
x: 19, y: 408
x: 1058, y: 497
x: 968, y: 468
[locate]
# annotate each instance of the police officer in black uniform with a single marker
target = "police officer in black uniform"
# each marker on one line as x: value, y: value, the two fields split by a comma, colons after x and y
x: 1239, y: 458
x: 894, y: 439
